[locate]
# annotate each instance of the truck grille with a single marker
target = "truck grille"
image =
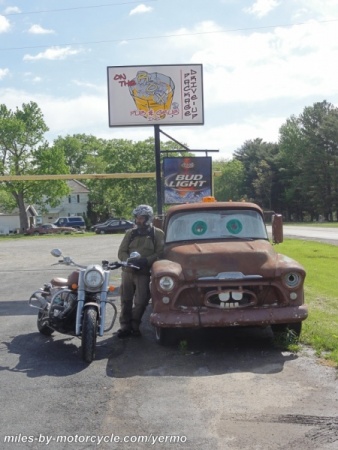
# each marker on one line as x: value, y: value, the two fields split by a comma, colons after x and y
x: 230, y: 297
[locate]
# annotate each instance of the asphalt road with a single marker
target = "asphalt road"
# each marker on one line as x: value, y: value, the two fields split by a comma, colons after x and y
x: 321, y: 234
x: 230, y: 389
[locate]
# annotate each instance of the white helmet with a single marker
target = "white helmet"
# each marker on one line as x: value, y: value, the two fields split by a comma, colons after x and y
x: 146, y: 211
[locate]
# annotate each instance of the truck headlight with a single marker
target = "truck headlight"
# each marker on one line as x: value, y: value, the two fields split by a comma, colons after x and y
x: 166, y: 283
x: 93, y: 278
x: 292, y: 279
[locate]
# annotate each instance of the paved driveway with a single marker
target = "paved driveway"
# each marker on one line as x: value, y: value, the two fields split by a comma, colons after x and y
x: 216, y: 390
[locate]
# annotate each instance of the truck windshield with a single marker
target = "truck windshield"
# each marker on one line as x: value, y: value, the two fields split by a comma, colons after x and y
x: 216, y: 224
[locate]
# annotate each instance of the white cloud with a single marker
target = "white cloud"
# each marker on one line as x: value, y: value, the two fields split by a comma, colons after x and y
x: 87, y: 85
x: 37, y: 80
x: 229, y: 136
x: 31, y: 78
x: 140, y: 9
x: 3, y: 73
x: 38, y: 29
x: 4, y: 24
x: 253, y: 81
x: 261, y: 7
x: 67, y: 114
x: 53, y: 53
x: 64, y: 115
x: 317, y: 8
x: 89, y: 113
x: 12, y: 10
x: 295, y: 62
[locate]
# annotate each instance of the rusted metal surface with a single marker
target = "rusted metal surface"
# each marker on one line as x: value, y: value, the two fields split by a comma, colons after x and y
x: 228, y: 318
x: 237, y: 280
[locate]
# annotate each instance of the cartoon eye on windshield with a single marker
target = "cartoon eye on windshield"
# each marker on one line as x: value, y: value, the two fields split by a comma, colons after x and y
x: 234, y: 226
x: 199, y: 228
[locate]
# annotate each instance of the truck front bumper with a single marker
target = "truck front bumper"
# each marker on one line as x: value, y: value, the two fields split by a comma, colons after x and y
x: 196, y: 318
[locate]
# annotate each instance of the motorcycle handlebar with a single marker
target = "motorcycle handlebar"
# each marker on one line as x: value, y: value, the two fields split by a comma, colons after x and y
x: 117, y: 264
x: 67, y: 261
x: 106, y: 265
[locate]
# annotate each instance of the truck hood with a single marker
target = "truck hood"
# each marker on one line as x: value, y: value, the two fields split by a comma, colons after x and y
x: 208, y: 259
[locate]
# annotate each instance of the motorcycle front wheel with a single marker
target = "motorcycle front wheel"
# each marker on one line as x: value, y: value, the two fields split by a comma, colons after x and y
x: 41, y: 323
x: 89, y: 333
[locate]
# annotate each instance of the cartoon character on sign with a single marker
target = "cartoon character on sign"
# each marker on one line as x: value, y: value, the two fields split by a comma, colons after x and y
x: 152, y: 93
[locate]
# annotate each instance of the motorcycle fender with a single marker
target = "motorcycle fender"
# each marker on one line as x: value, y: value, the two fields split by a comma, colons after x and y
x: 79, y: 314
x: 92, y: 304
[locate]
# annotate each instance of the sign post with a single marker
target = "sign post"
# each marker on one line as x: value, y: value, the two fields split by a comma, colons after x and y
x: 155, y: 96
x: 158, y: 170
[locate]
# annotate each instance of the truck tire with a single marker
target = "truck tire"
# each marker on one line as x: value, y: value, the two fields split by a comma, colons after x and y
x: 295, y: 328
x: 162, y: 335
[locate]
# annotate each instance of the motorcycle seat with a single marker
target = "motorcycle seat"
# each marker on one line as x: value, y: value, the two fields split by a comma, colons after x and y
x: 58, y: 281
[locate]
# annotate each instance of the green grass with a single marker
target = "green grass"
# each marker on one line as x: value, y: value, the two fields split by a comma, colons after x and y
x: 320, y: 329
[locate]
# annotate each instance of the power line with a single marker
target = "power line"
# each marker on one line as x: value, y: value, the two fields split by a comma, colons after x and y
x: 164, y: 36
x: 40, y: 11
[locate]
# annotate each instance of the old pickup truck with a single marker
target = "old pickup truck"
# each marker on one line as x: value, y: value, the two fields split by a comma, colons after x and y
x: 220, y: 270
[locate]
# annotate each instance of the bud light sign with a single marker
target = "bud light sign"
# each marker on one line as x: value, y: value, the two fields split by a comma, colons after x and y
x: 186, y: 180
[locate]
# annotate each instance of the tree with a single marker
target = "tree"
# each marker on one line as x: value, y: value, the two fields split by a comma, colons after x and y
x: 261, y: 178
x: 118, y: 197
x: 230, y: 184
x: 23, y: 151
x: 263, y: 183
x: 309, y: 161
x: 81, y: 152
x: 112, y: 196
x: 293, y: 147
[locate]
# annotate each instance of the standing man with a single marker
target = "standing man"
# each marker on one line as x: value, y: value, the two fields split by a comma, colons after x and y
x: 148, y: 242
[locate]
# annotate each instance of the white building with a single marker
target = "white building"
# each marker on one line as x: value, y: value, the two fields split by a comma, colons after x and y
x: 75, y: 204
x: 10, y: 222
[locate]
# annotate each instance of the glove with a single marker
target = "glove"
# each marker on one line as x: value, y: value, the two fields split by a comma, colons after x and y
x: 114, y: 265
x: 132, y: 260
x: 141, y: 263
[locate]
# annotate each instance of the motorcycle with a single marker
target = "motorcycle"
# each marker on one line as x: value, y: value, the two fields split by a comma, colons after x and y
x: 76, y: 305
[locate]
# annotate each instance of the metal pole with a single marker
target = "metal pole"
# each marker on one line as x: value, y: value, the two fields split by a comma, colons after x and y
x: 158, y: 169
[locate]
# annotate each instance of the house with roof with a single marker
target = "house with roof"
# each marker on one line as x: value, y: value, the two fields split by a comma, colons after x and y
x: 74, y: 204
x: 10, y: 222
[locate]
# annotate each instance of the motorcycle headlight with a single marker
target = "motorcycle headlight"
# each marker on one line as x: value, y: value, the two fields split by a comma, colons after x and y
x: 292, y: 279
x: 166, y: 283
x: 93, y: 278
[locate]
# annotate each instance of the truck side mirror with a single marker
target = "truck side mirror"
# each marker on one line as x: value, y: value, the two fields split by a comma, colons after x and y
x: 277, y: 228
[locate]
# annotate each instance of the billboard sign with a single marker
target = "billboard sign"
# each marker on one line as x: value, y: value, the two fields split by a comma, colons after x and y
x: 155, y: 95
x: 187, y: 179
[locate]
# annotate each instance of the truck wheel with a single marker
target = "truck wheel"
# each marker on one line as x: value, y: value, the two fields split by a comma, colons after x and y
x: 280, y: 328
x: 89, y: 333
x: 162, y: 335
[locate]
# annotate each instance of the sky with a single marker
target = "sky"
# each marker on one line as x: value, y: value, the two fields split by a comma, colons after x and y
x: 263, y: 61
